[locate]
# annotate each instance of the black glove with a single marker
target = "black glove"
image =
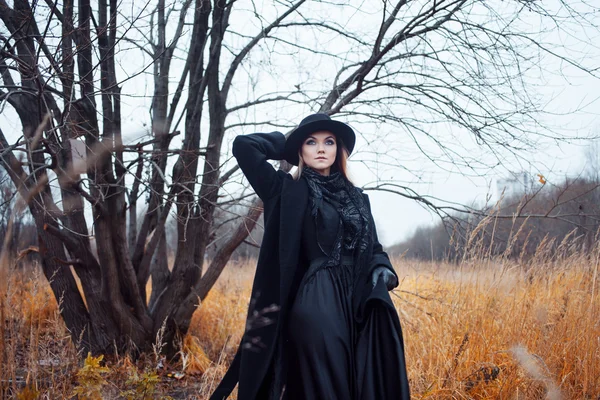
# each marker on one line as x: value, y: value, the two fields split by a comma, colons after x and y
x: 389, y: 278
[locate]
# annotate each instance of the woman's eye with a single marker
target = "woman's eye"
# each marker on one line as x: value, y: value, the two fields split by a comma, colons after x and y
x: 330, y: 142
x: 310, y: 142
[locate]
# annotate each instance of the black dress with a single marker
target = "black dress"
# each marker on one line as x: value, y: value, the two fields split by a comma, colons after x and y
x: 328, y: 354
x: 321, y: 329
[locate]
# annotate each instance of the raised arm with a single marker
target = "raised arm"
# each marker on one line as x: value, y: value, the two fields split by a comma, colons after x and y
x: 252, y: 152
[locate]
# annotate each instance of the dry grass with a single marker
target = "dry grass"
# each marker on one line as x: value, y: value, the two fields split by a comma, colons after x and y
x: 494, y: 331
x: 478, y: 330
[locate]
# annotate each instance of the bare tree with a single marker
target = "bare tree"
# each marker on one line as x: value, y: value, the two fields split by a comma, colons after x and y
x: 218, y: 68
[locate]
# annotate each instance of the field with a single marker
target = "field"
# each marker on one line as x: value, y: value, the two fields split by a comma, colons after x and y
x: 479, y: 329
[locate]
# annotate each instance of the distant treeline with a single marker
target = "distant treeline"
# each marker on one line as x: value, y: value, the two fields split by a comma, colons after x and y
x: 553, y: 218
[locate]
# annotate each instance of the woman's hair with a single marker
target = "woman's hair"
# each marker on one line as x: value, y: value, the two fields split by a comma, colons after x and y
x: 340, y: 164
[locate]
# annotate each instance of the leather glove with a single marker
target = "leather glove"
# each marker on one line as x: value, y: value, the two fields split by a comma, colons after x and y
x: 389, y: 278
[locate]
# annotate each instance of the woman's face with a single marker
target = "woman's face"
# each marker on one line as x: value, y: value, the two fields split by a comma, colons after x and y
x: 319, y: 150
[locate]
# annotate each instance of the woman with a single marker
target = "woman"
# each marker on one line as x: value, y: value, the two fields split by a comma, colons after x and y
x: 320, y: 324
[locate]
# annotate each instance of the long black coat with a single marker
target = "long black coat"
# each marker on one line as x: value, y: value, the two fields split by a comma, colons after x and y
x: 280, y: 265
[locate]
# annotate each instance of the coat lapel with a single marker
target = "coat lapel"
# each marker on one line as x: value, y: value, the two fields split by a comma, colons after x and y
x: 294, y: 198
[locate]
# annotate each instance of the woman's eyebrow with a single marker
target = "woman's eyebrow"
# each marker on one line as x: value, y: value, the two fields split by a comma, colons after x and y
x: 314, y: 138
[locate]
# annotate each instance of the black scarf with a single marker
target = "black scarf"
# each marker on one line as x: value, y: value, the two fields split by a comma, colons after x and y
x: 354, y: 230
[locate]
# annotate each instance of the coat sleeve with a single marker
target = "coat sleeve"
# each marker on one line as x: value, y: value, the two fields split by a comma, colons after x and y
x: 252, y: 152
x: 379, y: 258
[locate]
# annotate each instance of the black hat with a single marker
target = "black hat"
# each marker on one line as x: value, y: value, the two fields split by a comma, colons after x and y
x: 314, y: 123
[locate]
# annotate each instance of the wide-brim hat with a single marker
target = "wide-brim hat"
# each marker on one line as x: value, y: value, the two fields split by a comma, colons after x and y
x: 314, y: 123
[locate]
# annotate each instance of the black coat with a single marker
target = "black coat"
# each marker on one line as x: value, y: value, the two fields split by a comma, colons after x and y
x: 280, y: 265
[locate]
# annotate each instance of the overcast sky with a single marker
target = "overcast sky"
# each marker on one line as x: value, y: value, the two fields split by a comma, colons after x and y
x: 397, y: 218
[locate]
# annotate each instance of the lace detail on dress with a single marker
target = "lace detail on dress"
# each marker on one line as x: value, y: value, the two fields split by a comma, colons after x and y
x: 354, y: 230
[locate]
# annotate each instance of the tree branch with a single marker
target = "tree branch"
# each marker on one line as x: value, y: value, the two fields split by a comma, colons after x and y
x: 242, y: 54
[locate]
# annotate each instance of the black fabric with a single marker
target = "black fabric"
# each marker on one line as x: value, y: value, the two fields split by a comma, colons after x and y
x: 260, y: 362
x: 322, y: 336
x: 380, y: 361
x: 318, y: 234
x: 326, y: 360
x: 354, y: 230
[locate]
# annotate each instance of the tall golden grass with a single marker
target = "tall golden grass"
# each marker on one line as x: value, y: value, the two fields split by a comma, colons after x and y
x: 484, y: 328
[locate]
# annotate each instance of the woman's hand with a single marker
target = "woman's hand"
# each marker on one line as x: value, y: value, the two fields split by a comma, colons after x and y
x: 388, y: 277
